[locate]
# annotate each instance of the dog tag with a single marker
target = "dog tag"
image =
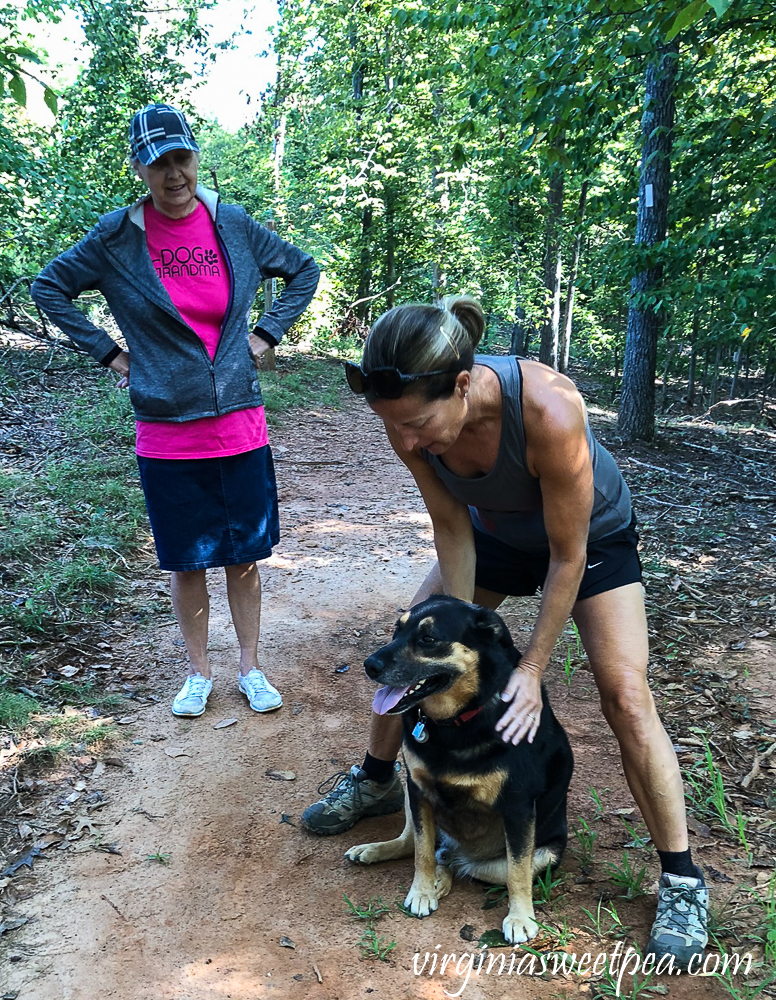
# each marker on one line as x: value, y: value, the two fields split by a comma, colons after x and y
x: 419, y: 732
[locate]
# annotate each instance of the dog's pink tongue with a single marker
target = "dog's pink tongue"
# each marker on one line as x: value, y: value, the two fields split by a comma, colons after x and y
x: 387, y: 698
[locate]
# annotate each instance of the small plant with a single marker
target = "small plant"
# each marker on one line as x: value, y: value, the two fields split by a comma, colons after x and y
x: 371, y: 944
x: 767, y: 927
x: 160, y: 858
x: 637, y: 840
x: 562, y: 934
x: 569, y: 668
x: 15, y: 710
x: 743, y: 989
x: 494, y: 896
x: 586, y: 839
x: 544, y: 884
x: 571, y: 662
x: 612, y: 986
x: 600, y: 810
x: 373, y: 910
x: 606, y: 922
x: 741, y: 824
x: 627, y: 878
x: 717, y: 798
x: 374, y: 946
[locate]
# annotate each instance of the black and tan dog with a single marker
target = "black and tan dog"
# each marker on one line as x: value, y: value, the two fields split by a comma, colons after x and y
x: 501, y: 809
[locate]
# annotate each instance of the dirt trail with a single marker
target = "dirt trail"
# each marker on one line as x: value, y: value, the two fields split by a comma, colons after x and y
x: 242, y: 875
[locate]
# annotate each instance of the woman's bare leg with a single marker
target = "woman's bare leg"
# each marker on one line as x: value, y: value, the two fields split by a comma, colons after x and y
x: 191, y: 605
x: 613, y: 630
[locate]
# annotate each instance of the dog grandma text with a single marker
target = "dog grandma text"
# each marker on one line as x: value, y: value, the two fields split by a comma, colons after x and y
x: 613, y: 966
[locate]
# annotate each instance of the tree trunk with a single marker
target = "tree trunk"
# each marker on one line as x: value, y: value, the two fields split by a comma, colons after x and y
x: 522, y: 328
x: 666, y: 371
x: 439, y: 198
x: 637, y: 403
x: 390, y: 247
x: 768, y: 374
x: 553, y: 266
x: 691, y: 373
x: 437, y: 275
x: 714, y: 376
x: 363, y: 309
x: 694, y: 334
x: 364, y: 290
x: 268, y: 360
x: 736, y: 370
x: 565, y: 340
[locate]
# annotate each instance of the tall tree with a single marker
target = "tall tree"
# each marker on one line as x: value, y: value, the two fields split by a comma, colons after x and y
x: 636, y: 417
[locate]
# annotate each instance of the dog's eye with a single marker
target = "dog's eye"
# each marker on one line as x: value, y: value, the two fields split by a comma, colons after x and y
x: 427, y: 640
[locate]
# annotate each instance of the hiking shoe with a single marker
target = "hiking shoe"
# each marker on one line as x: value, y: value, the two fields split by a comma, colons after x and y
x: 349, y: 796
x: 261, y: 695
x: 192, y: 697
x: 680, y: 925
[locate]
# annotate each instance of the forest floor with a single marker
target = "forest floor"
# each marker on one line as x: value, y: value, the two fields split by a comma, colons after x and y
x: 172, y: 864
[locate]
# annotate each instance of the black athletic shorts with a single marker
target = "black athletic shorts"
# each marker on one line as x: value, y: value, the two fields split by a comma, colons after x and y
x: 612, y: 562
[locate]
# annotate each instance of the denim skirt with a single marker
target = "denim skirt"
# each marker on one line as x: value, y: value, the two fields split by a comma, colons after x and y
x: 208, y: 512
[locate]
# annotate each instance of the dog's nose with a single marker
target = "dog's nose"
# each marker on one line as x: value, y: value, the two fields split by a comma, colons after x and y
x: 373, y: 666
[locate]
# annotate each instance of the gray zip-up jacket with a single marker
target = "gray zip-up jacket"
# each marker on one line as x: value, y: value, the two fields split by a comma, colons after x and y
x: 172, y: 378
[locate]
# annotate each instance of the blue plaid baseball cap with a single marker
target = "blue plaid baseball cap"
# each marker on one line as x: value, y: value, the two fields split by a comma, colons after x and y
x: 155, y: 130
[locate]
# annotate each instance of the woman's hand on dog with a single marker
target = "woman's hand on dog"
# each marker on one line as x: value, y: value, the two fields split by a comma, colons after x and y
x: 521, y: 718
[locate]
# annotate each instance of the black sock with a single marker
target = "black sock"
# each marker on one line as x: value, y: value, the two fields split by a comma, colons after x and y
x: 680, y: 863
x: 378, y: 770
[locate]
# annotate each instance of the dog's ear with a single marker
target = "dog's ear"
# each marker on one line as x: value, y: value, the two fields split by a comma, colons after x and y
x: 491, y: 626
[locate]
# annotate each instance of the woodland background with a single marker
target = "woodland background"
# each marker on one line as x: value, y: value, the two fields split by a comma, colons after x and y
x: 597, y: 172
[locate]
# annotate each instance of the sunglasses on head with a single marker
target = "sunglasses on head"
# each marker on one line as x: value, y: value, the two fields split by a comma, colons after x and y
x: 386, y: 383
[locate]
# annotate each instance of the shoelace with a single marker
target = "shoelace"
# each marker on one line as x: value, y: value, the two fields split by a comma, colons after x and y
x: 196, y: 684
x: 683, y: 894
x: 337, y: 784
x: 259, y: 682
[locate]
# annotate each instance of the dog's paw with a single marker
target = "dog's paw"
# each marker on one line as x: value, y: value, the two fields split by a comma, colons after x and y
x: 365, y: 854
x: 519, y: 928
x: 443, y: 881
x: 422, y: 900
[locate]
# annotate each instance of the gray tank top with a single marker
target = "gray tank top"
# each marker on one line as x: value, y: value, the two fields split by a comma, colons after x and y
x: 507, y: 501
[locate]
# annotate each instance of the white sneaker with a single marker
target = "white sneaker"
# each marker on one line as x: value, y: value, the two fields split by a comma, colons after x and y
x: 191, y: 700
x: 261, y: 695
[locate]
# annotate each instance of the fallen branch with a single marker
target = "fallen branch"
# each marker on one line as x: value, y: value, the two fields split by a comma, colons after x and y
x: 371, y: 298
x: 753, y: 498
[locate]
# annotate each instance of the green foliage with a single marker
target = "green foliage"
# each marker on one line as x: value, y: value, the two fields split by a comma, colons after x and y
x: 606, y: 921
x: 15, y: 710
x: 317, y: 383
x: 55, y: 182
x: 585, y: 849
x: 411, y: 148
x: 372, y: 945
x: 159, y: 857
x: 545, y: 883
x: 628, y: 877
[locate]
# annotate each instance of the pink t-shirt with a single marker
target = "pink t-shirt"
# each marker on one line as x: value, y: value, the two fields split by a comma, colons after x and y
x: 190, y: 264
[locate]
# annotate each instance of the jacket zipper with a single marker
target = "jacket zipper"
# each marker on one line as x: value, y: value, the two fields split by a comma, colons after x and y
x: 225, y: 320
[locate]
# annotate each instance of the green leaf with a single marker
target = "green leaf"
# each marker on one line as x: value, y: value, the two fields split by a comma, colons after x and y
x: 493, y: 939
x: 18, y: 90
x: 719, y: 6
x: 459, y: 155
x: 28, y: 54
x: 689, y: 15
x: 50, y: 100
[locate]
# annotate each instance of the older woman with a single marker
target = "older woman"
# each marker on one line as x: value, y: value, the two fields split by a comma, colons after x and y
x: 180, y: 271
x: 522, y: 496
